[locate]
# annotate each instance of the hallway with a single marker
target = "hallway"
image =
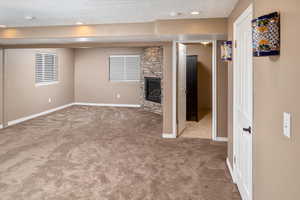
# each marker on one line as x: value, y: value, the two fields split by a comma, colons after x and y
x: 201, y: 129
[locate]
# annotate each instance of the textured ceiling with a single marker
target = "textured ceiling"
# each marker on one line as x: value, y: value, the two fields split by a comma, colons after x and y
x: 68, y: 12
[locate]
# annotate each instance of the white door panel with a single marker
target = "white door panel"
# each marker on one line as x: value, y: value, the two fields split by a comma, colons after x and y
x: 181, y: 84
x: 243, y: 104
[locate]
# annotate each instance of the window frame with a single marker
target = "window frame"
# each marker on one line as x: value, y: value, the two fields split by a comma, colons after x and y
x: 47, y: 52
x: 124, y: 56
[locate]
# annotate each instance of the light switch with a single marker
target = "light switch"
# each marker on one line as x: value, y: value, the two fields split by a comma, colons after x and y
x: 118, y: 96
x: 287, y: 124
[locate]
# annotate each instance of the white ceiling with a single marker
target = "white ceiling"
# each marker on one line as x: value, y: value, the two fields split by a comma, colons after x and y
x: 68, y: 12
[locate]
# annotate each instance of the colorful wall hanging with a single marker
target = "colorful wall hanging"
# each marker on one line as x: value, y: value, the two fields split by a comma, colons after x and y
x: 226, y: 51
x: 266, y: 35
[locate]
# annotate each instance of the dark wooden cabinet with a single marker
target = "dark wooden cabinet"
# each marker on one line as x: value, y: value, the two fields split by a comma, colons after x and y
x: 192, y: 88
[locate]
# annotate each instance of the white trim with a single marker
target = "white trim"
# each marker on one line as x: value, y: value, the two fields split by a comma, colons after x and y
x: 46, y: 83
x: 246, y: 12
x: 174, y: 88
x: 214, y: 92
x: 17, y: 121
x: 107, y: 105
x: 230, y: 169
x: 169, y: 135
x: 214, y: 85
x: 122, y: 81
x: 132, y: 56
x: 221, y: 139
x: 47, y: 51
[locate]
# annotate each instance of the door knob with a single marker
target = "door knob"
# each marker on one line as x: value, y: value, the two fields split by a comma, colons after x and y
x: 247, y: 130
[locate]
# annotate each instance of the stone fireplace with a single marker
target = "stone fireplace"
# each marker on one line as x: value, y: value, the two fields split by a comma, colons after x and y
x: 152, y: 79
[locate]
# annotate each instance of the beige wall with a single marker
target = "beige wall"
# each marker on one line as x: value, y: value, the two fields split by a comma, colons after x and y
x: 222, y: 97
x: 276, y: 90
x: 1, y: 86
x: 22, y: 97
x: 92, y: 84
x: 167, y: 98
x: 216, y: 27
x: 276, y: 160
x: 238, y: 10
x: 204, y: 53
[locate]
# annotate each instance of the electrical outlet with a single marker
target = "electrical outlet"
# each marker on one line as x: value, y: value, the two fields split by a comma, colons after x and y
x: 287, y: 124
x: 118, y: 96
x: 49, y: 100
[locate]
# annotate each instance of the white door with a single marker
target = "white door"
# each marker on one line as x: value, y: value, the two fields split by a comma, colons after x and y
x: 181, y: 88
x: 243, y: 104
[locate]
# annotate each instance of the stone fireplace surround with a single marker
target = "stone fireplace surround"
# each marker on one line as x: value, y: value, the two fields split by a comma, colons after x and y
x: 151, y: 66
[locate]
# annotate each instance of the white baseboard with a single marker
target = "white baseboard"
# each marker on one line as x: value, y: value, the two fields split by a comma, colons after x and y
x: 221, y: 139
x: 230, y: 170
x: 17, y: 121
x: 108, y: 105
x: 168, y: 135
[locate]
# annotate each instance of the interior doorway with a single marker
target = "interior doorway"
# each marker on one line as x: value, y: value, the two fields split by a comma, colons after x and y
x: 198, y: 90
x: 196, y: 108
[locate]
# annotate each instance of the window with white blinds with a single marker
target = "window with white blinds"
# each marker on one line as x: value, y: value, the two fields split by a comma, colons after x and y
x: 124, y: 68
x: 46, y: 68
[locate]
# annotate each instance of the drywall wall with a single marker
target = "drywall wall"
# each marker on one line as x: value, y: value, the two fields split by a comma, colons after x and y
x: 237, y: 11
x: 216, y: 26
x: 22, y: 96
x: 276, y: 90
x: 167, y: 95
x: 222, y: 90
x: 204, y: 55
x: 92, y: 84
x: 1, y: 86
x: 129, y: 31
x: 275, y: 158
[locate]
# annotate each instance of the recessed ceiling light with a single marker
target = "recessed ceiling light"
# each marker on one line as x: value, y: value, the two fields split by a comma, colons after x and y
x: 2, y: 26
x: 30, y: 17
x: 174, y: 14
x: 79, y: 23
x: 205, y: 42
x: 195, y: 13
x: 82, y: 39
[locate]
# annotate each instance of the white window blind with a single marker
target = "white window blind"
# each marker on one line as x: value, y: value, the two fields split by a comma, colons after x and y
x: 124, y: 68
x: 46, y: 68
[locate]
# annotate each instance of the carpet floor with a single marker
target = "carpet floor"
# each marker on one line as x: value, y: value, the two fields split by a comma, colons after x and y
x: 105, y: 153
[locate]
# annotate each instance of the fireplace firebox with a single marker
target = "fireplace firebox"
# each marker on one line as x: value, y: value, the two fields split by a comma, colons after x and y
x: 153, y: 89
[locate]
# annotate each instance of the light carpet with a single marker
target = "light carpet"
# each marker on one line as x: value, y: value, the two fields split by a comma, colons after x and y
x: 105, y: 153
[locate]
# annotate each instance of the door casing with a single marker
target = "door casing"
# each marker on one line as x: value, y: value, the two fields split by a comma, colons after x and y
x: 214, y: 89
x: 247, y: 12
x: 181, y: 88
